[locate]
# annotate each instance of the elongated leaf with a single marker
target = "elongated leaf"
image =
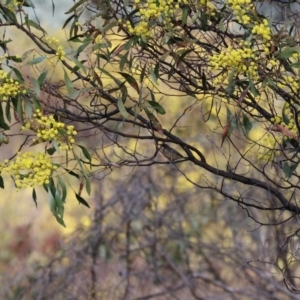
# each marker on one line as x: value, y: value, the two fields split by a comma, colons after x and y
x: 34, y: 197
x: 85, y: 153
x: 36, y: 87
x: 288, y: 52
x: 35, y: 25
x: 72, y: 173
x: 8, y: 111
x: 36, y: 103
x: 247, y: 124
x: 63, y: 188
x: 87, y: 185
x: 68, y: 83
x: 157, y: 107
x: 36, y: 60
x: 81, y: 200
x: 122, y: 108
x: 2, y: 121
x: 131, y: 80
x: 75, y: 6
x: 42, y: 77
x: 67, y: 21
x: 1, y: 183
x: 184, y: 15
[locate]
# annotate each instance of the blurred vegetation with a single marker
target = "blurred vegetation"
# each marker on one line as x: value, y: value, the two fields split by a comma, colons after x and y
x: 175, y: 127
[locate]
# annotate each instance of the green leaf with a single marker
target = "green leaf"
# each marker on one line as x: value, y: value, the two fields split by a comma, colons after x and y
x: 34, y: 196
x: 28, y: 108
x: 20, y: 109
x: 8, y: 110
x: 2, y: 121
x: 253, y: 89
x: 87, y: 185
x: 36, y: 86
x: 288, y: 52
x: 75, y: 6
x: 72, y: 173
x: 42, y: 77
x: 51, y: 151
x: 82, y: 47
x: 231, y: 82
x: 122, y: 108
x: 157, y: 107
x: 78, y: 64
x: 81, y: 200
x: 8, y: 14
x: 295, y: 65
x: 68, y: 20
x: 36, y: 60
x: 184, y: 15
x: 143, y: 74
x: 153, y: 77
x: 130, y: 79
x: 63, y: 187
x: 247, y: 124
x: 1, y: 182
x: 36, y: 103
x: 85, y: 153
x: 18, y: 74
x: 287, y: 170
x: 35, y: 25
x: 68, y: 83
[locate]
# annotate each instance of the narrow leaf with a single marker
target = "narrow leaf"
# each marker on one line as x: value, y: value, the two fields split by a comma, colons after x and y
x: 81, y: 200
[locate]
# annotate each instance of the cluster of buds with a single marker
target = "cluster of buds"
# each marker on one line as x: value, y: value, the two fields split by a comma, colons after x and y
x: 49, y: 129
x: 60, y: 53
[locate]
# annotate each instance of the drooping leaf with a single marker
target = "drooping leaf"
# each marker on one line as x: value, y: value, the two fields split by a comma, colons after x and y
x: 247, y: 124
x: 1, y: 182
x: 184, y: 15
x: 42, y: 77
x: 8, y: 110
x: 122, y: 108
x: 131, y: 80
x: 36, y: 103
x: 68, y: 83
x: 81, y: 200
x: 34, y: 196
x: 85, y: 153
x: 154, y: 121
x: 2, y: 121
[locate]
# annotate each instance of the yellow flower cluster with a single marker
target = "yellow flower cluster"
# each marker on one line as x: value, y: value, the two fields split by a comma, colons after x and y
x: 263, y: 30
x: 12, y: 6
x: 9, y: 87
x: 239, y: 10
x: 289, y: 82
x: 60, y: 53
x: 291, y: 118
x: 242, y: 59
x: 29, y: 169
x: 268, y: 144
x: 161, y: 11
x: 48, y: 129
